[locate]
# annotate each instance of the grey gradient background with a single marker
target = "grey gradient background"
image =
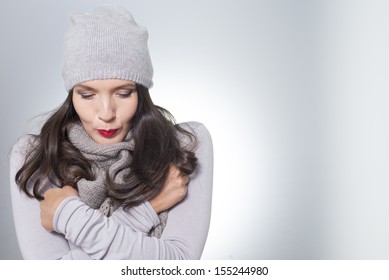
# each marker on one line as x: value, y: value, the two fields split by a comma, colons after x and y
x: 295, y: 94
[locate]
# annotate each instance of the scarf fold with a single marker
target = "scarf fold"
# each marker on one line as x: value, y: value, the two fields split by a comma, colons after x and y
x: 111, y: 160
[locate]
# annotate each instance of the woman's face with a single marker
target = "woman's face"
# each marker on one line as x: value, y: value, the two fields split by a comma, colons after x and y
x: 106, y: 108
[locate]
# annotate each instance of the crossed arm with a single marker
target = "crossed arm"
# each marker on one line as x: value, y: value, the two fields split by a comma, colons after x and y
x: 172, y: 193
x: 82, y: 232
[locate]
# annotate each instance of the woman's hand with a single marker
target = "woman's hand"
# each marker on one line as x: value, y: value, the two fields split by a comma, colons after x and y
x: 52, y: 198
x: 172, y: 192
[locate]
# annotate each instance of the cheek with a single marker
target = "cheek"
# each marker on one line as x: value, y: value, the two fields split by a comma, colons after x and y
x: 128, y: 110
x: 129, y: 115
x: 83, y: 111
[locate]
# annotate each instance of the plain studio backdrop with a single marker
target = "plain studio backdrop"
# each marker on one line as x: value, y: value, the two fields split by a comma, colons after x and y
x: 294, y: 93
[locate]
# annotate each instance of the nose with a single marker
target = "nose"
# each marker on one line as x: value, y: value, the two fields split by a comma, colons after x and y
x: 106, y: 111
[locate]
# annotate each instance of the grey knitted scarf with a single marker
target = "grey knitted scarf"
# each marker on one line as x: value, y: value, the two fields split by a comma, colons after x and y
x: 111, y: 159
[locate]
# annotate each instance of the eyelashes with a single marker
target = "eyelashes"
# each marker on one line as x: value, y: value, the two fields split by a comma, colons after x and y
x: 120, y: 94
x: 125, y: 94
x: 86, y: 96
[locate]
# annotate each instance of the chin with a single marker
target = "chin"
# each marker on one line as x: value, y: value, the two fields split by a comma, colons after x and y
x: 103, y: 140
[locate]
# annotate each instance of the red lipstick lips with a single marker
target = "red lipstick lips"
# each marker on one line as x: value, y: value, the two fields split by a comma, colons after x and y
x: 107, y: 133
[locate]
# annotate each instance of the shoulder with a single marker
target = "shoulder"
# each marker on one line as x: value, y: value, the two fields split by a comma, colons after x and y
x: 199, y: 130
x: 23, y: 146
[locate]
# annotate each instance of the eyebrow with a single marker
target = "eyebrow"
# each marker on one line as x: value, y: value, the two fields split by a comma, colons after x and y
x: 125, y: 86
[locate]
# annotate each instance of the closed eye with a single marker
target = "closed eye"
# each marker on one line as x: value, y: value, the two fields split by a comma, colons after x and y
x: 125, y: 94
x: 86, y: 95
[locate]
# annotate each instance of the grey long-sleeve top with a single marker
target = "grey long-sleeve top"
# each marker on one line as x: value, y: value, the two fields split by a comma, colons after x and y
x: 85, y: 233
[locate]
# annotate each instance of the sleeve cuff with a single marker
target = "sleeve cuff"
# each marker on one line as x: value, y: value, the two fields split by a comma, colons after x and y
x: 141, y: 218
x: 152, y: 214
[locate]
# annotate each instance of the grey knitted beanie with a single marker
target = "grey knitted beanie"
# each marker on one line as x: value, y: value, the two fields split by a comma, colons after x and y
x: 107, y: 44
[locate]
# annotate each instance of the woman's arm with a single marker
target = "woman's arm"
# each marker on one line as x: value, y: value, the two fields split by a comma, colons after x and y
x: 34, y: 241
x: 37, y: 243
x: 185, y: 233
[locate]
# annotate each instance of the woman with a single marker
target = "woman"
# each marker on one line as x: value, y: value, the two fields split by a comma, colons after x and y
x: 110, y: 176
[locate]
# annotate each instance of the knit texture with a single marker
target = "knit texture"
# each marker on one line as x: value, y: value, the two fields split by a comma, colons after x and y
x: 108, y: 159
x: 106, y: 44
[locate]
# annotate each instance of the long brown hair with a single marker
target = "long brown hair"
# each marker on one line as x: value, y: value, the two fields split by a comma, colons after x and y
x: 157, y: 146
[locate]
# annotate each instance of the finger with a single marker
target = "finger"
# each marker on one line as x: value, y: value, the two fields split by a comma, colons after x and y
x: 185, y: 180
x: 50, y: 191
x: 47, y: 193
x: 69, y: 190
x: 184, y: 191
x: 174, y: 171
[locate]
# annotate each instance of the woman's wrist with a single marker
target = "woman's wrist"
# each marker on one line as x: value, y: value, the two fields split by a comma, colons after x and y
x: 52, y: 199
